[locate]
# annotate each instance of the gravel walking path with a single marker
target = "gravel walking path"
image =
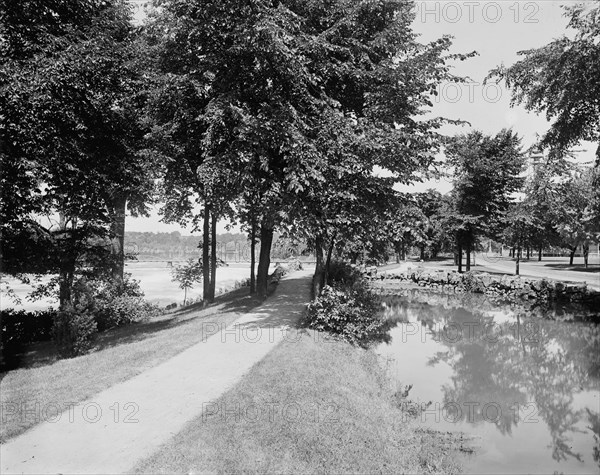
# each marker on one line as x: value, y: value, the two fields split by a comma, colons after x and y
x: 112, y: 431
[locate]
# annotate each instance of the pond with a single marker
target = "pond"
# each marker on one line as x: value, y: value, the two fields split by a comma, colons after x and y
x: 523, y: 382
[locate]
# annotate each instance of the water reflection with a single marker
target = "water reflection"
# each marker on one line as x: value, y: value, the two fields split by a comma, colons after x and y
x: 495, y: 366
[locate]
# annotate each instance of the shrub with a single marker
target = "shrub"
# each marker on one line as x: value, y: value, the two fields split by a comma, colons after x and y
x: 74, y: 331
x: 349, y: 312
x: 343, y: 274
x: 26, y: 327
x: 112, y: 306
x: 20, y: 328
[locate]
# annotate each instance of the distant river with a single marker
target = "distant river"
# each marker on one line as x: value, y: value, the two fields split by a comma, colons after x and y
x: 155, y: 280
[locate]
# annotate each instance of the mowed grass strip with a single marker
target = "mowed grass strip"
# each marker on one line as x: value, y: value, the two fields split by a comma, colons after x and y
x: 310, y: 406
x: 30, y: 394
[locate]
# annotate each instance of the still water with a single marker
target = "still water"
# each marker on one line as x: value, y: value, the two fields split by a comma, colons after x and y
x: 523, y: 382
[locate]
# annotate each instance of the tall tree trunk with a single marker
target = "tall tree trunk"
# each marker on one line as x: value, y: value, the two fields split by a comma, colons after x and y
x: 540, y: 253
x: 518, y: 260
x: 422, y: 252
x: 328, y: 261
x: 528, y: 254
x: 585, y: 247
x: 264, y: 259
x: 253, y: 256
x: 572, y: 256
x: 65, y: 281
x: 117, y: 237
x: 468, y: 256
x: 66, y: 272
x: 398, y: 250
x: 205, y: 255
x: 459, y: 259
x: 319, y: 277
x: 213, y: 257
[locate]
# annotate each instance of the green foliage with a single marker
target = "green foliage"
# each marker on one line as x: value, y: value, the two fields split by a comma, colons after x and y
x: 349, y: 313
x: 187, y: 275
x: 486, y: 176
x: 112, y: 305
x: 342, y: 274
x: 74, y: 331
x: 20, y: 328
x: 23, y: 327
x: 561, y: 79
x: 347, y: 308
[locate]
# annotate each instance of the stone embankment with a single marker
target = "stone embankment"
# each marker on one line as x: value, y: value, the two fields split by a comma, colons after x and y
x: 505, y: 286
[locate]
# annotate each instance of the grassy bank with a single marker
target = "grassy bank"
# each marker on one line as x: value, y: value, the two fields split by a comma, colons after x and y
x: 311, y: 406
x: 119, y: 354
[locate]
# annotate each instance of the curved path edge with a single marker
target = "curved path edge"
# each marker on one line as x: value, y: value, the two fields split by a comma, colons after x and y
x: 120, y: 426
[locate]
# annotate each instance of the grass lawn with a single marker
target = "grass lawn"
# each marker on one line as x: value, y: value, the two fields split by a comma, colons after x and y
x: 311, y: 406
x: 119, y: 354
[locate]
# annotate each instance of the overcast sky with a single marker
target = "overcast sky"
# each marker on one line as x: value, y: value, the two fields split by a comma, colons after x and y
x: 497, y: 30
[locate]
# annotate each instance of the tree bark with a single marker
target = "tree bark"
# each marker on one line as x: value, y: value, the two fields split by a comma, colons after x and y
x: 518, y: 260
x: 65, y: 281
x: 459, y: 259
x: 205, y: 255
x: 264, y: 260
x: 328, y: 262
x: 319, y: 277
x: 539, y: 253
x: 117, y: 237
x: 468, y: 257
x: 585, y: 247
x: 213, y: 257
x: 572, y: 256
x: 422, y: 253
x: 252, y: 256
x: 528, y: 254
x: 67, y: 260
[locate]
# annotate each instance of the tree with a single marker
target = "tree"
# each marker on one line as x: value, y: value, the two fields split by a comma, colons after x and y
x: 433, y: 236
x: 571, y: 211
x: 561, y: 79
x: 486, y: 175
x: 187, y: 275
x: 541, y: 190
x: 519, y: 225
x: 69, y: 134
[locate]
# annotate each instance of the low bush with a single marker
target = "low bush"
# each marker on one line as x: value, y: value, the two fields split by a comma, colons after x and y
x: 347, y: 309
x: 20, y: 328
x: 113, y: 306
x: 343, y: 274
x: 74, y: 331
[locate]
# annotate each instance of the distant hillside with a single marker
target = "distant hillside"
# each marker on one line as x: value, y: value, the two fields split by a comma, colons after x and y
x: 230, y: 247
x: 161, y: 246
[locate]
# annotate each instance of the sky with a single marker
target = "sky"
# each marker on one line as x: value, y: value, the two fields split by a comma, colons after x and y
x: 497, y: 30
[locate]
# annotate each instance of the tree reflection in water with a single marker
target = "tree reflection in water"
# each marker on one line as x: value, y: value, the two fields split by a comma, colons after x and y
x: 528, y: 368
